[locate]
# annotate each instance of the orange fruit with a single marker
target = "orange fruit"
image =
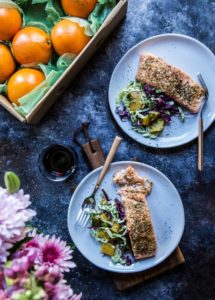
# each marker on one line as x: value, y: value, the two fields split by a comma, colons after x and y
x: 23, y: 82
x: 11, y: 22
x: 32, y: 45
x: 7, y: 63
x: 78, y: 8
x: 68, y: 37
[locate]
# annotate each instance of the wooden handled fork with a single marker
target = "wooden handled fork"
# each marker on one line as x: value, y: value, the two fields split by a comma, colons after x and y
x: 201, y: 125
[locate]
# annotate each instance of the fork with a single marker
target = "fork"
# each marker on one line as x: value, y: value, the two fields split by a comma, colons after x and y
x: 90, y: 201
x: 201, y: 124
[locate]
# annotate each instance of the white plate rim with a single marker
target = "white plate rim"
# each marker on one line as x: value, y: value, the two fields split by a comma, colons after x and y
x: 126, y: 271
x: 115, y: 70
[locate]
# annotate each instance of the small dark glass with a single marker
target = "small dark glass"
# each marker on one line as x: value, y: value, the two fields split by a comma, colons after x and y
x: 58, y: 162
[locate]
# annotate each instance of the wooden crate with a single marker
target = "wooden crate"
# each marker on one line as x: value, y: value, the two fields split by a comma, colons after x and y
x: 113, y: 19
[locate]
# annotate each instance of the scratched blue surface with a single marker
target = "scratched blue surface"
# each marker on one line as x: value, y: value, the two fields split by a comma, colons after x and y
x: 86, y: 99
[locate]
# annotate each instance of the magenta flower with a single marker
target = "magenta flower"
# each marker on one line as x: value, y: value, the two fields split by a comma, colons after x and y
x: 34, y: 269
x: 48, y: 274
x: 19, y: 268
x: 21, y: 264
x: 60, y: 291
x: 51, y: 252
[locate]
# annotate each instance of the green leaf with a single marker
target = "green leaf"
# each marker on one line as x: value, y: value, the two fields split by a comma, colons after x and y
x: 100, y: 13
x: 53, y: 12
x: 12, y: 182
x: 39, y: 1
x: 3, y: 88
x: 64, y: 61
x: 38, y: 25
x: 21, y: 2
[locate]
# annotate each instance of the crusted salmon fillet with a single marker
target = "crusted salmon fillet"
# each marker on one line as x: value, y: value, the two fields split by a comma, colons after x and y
x: 133, y: 191
x: 140, y: 228
x: 157, y: 73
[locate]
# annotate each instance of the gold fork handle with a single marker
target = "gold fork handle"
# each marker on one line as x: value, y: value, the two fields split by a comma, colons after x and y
x: 200, y: 145
x: 108, y: 160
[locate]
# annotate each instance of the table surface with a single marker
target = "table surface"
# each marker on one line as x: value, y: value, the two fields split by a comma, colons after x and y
x: 86, y: 99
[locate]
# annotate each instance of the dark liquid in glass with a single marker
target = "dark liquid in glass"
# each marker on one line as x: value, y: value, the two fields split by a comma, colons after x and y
x: 59, y: 162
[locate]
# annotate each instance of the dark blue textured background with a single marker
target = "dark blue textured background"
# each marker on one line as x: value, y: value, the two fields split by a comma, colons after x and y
x: 85, y: 99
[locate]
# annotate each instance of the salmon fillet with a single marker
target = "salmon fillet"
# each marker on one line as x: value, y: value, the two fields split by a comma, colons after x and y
x: 155, y: 72
x: 140, y: 228
x: 133, y: 191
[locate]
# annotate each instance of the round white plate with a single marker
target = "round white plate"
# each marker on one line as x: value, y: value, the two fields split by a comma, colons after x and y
x: 181, y: 51
x: 166, y: 209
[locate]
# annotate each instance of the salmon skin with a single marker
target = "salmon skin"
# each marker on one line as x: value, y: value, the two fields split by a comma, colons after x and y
x: 157, y: 73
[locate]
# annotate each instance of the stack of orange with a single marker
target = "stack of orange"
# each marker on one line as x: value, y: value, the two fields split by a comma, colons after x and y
x: 31, y: 45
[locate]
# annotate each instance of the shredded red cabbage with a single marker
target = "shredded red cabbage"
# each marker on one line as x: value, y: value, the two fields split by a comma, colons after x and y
x: 123, y: 113
x: 129, y: 259
x: 105, y: 195
x: 120, y: 209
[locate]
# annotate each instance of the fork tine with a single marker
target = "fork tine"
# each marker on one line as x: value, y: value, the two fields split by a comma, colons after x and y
x: 81, y: 216
x: 86, y: 221
x: 80, y: 213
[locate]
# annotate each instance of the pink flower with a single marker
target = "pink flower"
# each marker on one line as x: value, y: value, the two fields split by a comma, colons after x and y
x: 51, y: 252
x: 2, y: 295
x: 48, y: 274
x: 21, y: 265
x: 60, y: 291
x: 18, y: 268
x: 14, y: 213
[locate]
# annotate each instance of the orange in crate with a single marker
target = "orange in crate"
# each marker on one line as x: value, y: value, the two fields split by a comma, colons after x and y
x: 10, y: 23
x: 23, y: 82
x: 78, y: 8
x: 32, y: 45
x: 68, y: 37
x: 7, y: 63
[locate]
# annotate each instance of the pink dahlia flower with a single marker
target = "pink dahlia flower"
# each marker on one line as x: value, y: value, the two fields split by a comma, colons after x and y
x: 14, y: 213
x: 60, y: 291
x: 48, y: 274
x: 51, y: 252
x: 21, y: 264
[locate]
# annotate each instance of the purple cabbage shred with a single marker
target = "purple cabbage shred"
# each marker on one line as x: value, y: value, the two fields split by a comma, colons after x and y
x: 120, y: 209
x: 128, y: 259
x: 105, y: 195
x: 123, y: 114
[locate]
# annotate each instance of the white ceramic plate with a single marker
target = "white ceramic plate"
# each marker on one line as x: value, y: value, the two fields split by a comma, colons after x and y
x: 184, y: 52
x: 166, y: 209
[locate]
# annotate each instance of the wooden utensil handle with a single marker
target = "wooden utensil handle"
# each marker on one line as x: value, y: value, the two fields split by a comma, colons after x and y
x: 200, y: 145
x: 108, y: 160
